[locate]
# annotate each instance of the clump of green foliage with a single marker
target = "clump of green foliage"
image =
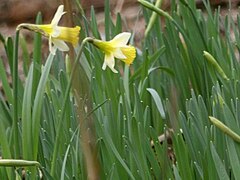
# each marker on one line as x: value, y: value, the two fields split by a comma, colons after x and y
x: 185, y: 71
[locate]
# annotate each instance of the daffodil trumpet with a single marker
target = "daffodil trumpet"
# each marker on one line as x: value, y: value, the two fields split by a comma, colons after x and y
x: 57, y: 35
x: 116, y: 48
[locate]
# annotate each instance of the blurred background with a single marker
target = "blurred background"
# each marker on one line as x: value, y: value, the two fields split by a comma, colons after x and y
x: 14, y: 12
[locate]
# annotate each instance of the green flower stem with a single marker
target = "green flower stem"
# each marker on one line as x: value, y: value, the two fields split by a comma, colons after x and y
x: 152, y: 18
x: 59, y: 128
x: 15, y: 97
x: 155, y: 9
x: 225, y: 129
x: 18, y: 163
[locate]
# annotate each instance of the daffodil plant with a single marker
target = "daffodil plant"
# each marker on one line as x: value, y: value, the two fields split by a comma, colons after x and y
x: 116, y: 48
x: 57, y: 35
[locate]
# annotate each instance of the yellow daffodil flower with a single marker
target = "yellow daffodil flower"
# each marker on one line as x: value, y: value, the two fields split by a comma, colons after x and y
x: 116, y: 48
x: 56, y: 34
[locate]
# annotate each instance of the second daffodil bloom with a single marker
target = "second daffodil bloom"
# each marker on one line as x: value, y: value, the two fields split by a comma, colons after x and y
x: 57, y: 35
x: 116, y: 48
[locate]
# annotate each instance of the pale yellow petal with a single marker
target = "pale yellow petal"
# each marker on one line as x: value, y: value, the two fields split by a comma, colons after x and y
x: 60, y: 44
x: 52, y: 48
x: 104, y: 66
x: 119, y: 54
x: 121, y: 39
x: 57, y: 15
x: 55, y: 31
x: 110, y: 62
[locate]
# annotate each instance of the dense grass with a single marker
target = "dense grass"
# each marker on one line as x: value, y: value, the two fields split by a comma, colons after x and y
x: 185, y: 71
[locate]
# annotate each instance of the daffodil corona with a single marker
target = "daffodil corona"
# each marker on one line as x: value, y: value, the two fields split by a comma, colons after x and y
x: 116, y: 48
x: 57, y: 35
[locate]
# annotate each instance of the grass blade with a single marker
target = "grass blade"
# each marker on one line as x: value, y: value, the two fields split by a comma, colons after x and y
x: 157, y: 101
x: 36, y: 116
x: 221, y: 170
x: 27, y: 142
